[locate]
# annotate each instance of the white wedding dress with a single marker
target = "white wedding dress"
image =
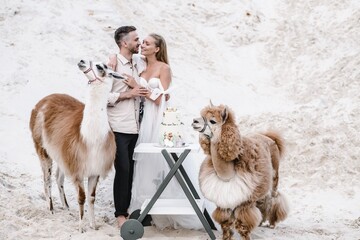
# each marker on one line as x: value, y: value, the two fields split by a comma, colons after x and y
x: 151, y: 169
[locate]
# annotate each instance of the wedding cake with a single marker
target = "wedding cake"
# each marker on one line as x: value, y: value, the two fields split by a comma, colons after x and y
x: 171, y: 129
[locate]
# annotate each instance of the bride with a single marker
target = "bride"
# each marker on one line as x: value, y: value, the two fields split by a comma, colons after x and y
x: 151, y: 169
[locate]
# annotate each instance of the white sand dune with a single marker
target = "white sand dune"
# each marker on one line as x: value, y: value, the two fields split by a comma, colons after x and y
x: 287, y: 65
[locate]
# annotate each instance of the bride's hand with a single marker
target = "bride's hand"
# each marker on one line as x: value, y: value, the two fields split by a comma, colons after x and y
x: 130, y: 81
x: 112, y: 62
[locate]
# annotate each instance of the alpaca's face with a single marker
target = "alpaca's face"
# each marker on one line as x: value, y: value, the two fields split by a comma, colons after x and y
x: 200, y: 125
x: 211, y: 121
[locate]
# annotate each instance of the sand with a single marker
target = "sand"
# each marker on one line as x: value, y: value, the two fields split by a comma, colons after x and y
x: 293, y: 66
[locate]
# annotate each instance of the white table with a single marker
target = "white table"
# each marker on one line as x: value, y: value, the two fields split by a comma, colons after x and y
x: 130, y: 227
x: 156, y: 148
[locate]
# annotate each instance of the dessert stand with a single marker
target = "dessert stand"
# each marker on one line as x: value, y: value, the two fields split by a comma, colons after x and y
x: 133, y: 228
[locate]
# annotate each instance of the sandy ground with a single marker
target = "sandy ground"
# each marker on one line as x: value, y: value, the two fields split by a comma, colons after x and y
x: 285, y: 65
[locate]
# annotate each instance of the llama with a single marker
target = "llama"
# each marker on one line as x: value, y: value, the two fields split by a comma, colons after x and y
x: 240, y: 173
x: 77, y: 137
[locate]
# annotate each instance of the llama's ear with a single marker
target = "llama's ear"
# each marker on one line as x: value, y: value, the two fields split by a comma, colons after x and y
x: 211, y: 104
x: 116, y: 75
x: 224, y: 114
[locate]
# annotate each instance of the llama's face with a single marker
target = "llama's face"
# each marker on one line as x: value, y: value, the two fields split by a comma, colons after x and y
x: 93, y: 70
x: 211, y: 121
x: 97, y: 71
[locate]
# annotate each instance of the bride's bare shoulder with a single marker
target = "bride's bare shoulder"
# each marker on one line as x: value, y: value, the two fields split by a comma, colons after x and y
x: 165, y: 67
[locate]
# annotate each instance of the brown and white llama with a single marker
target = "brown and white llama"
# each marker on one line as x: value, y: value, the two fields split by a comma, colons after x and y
x: 240, y: 173
x: 77, y: 137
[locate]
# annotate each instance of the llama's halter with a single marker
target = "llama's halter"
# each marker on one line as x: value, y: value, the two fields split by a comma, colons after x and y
x: 204, y: 128
x: 95, y: 77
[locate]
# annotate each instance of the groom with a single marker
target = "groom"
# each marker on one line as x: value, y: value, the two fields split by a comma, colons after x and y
x: 123, y: 112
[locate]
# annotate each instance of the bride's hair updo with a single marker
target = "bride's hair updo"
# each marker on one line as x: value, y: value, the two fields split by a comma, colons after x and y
x: 161, y: 55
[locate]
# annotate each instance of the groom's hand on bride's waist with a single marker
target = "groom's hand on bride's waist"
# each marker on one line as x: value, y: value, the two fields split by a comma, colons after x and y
x: 133, y: 92
x: 138, y: 91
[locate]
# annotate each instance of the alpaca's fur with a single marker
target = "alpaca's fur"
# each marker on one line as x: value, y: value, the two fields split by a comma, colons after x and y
x: 240, y: 173
x: 77, y: 137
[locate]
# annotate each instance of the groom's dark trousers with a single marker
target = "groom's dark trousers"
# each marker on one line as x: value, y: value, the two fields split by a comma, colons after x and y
x: 124, y: 169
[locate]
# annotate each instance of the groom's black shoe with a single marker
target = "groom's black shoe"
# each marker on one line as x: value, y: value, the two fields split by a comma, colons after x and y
x: 136, y: 214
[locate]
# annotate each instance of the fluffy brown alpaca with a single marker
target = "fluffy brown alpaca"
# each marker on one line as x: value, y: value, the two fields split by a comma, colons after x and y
x: 77, y: 137
x: 240, y: 173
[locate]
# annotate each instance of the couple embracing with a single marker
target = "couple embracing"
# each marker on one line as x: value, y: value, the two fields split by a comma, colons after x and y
x: 147, y: 80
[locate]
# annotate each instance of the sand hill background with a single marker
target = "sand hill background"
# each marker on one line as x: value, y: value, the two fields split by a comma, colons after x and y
x: 289, y: 65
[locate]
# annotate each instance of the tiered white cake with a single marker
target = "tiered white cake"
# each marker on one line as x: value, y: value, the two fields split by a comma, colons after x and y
x: 171, y: 129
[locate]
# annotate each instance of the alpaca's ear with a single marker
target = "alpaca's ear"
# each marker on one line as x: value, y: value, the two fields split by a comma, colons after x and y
x: 224, y: 114
x: 211, y: 104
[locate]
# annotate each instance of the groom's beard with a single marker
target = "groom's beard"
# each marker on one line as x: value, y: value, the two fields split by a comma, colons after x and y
x: 134, y: 50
